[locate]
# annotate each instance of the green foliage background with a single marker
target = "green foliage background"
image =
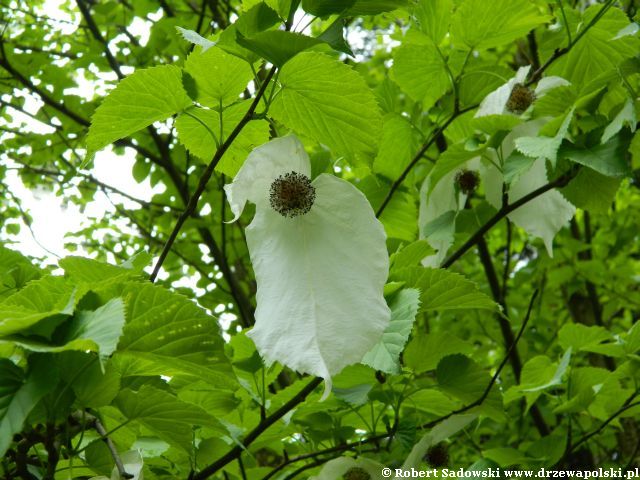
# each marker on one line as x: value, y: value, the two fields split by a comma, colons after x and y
x: 97, y: 361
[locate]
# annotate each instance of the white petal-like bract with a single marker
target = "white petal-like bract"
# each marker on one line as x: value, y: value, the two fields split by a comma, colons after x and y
x: 545, y: 215
x: 496, y: 102
x: 320, y: 275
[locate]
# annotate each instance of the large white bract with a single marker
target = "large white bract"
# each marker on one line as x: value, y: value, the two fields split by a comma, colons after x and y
x: 542, y: 217
x: 320, y: 274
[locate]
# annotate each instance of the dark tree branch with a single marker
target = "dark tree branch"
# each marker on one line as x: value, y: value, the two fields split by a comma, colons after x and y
x: 559, y: 52
x: 533, y: 50
x: 435, y: 135
x: 190, y: 210
x: 166, y: 8
x: 389, y: 435
x: 561, y: 181
x: 626, y: 406
x: 236, y: 451
x: 111, y: 446
x: 95, y: 31
x: 505, y: 328
x: 48, y: 100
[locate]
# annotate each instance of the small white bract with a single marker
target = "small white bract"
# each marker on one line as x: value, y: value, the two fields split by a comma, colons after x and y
x: 320, y: 260
x: 495, y: 103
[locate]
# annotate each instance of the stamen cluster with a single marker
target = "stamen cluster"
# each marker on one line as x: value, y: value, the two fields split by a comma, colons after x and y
x: 292, y: 194
x: 520, y: 99
x: 467, y: 180
x: 356, y: 473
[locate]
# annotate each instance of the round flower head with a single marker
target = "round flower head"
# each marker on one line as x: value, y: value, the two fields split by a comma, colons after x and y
x: 292, y: 194
x: 320, y: 261
x: 467, y: 180
x: 520, y: 99
x: 514, y: 96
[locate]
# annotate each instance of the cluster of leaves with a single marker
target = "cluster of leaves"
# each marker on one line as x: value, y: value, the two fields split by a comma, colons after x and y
x: 106, y: 374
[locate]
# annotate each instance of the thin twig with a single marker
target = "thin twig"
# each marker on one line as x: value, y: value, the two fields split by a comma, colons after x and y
x: 495, y: 376
x: 236, y: 451
x: 561, y: 181
x: 112, y: 448
x: 376, y: 438
x: 626, y: 406
x: 190, y: 209
x: 434, y: 136
x: 559, y: 52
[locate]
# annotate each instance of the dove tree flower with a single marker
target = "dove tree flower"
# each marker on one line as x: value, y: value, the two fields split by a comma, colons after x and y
x: 320, y: 261
x: 543, y: 217
x: 514, y: 96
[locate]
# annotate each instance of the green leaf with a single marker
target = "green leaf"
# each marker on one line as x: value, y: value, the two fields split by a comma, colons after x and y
x: 329, y: 102
x: 481, y: 24
x: 493, y: 124
x: 555, y: 102
x: 424, y: 352
x: 167, y: 334
x: 94, y: 331
x: 399, y: 216
x: 538, y: 375
x: 440, y: 432
x: 586, y: 383
x: 374, y: 7
x: 556, y: 378
x: 433, y: 17
x: 443, y: 290
x: 94, y: 384
x: 87, y: 271
x: 278, y: 46
x: 257, y: 19
x: 102, y: 326
x: 48, y: 297
x: 385, y: 355
x: 195, y: 38
x: 167, y: 416
x: 334, y: 37
x: 476, y: 82
x: 581, y: 337
x: 213, y: 401
x: 607, y: 159
x: 461, y: 377
x: 591, y: 190
x: 598, y: 51
x: 545, y: 147
x: 515, y: 165
x: 144, y: 97
x: 411, y: 255
x: 397, y: 147
x: 19, y: 395
x: 196, y: 134
x: 626, y: 116
x: 323, y: 8
x: 219, y: 77
x: 415, y: 62
x: 15, y: 271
